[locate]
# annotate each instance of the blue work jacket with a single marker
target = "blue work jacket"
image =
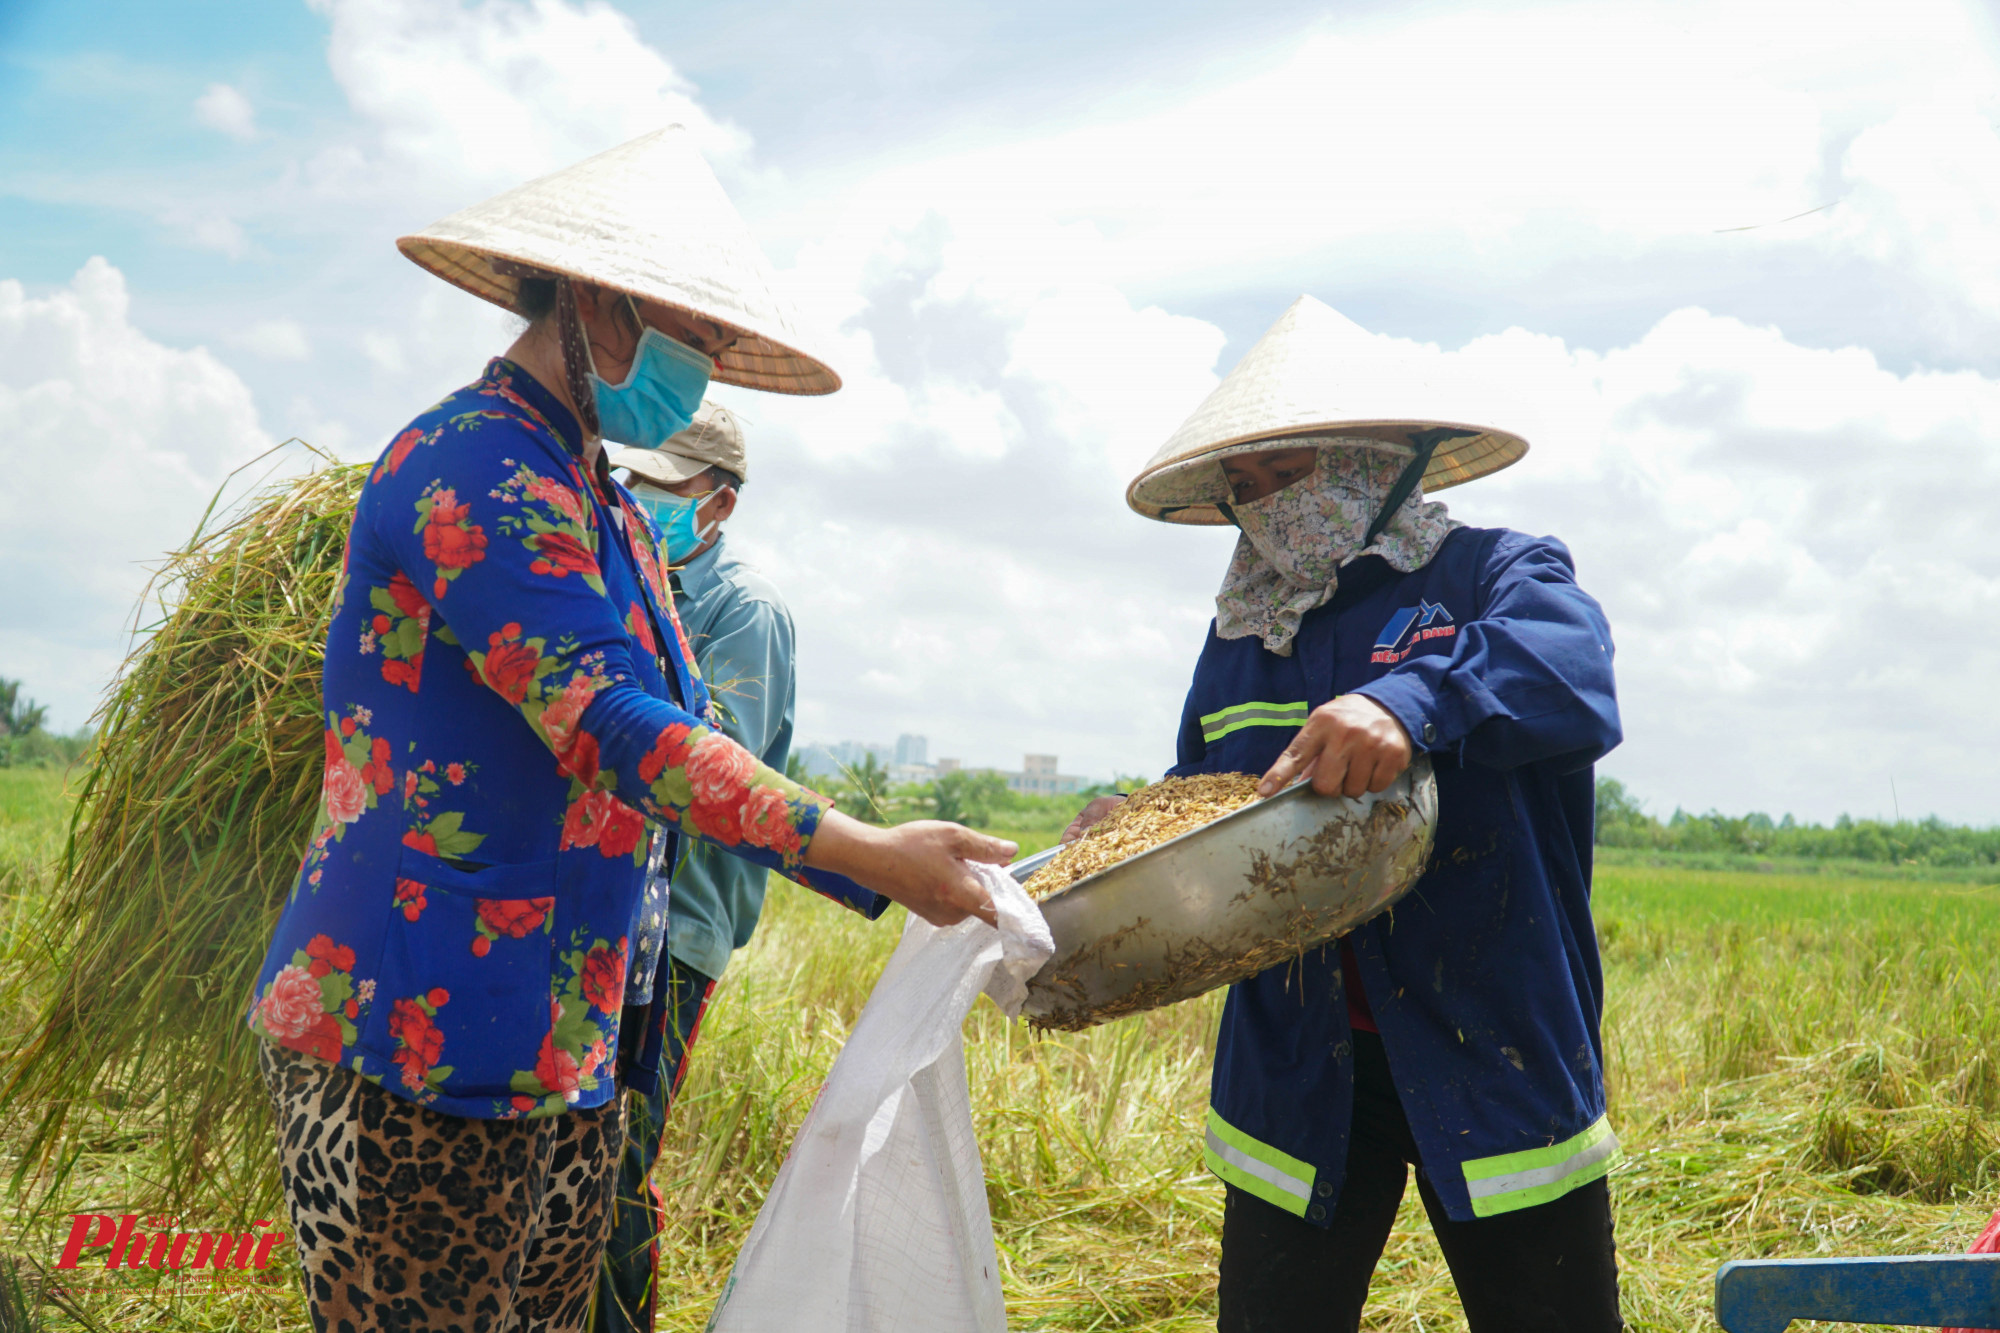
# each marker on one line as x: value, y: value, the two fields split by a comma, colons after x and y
x: 1484, y: 979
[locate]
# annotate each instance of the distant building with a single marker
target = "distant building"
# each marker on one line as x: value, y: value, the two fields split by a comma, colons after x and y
x: 908, y: 761
x: 851, y: 754
x: 1039, y: 777
x: 818, y: 761
x: 833, y: 760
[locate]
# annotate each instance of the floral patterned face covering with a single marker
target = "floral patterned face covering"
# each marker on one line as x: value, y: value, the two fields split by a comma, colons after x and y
x: 1294, y: 542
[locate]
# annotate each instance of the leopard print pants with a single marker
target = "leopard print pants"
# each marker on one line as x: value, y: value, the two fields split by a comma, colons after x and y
x: 415, y: 1222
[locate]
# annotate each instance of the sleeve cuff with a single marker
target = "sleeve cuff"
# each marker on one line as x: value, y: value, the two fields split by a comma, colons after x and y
x: 1412, y: 703
x: 1434, y: 719
x: 844, y: 891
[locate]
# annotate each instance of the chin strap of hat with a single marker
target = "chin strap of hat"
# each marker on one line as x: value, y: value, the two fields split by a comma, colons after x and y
x: 569, y: 334
x: 1426, y: 442
x: 569, y: 327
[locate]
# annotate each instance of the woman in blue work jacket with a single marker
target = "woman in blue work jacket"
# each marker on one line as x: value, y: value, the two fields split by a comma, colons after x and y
x: 1357, y: 625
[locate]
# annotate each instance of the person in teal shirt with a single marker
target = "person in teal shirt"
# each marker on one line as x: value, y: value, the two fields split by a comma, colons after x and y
x: 740, y: 632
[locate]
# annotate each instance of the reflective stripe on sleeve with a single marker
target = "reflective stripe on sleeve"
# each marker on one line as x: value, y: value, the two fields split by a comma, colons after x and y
x: 1214, y: 726
x: 1523, y: 1179
x: 1262, y: 1170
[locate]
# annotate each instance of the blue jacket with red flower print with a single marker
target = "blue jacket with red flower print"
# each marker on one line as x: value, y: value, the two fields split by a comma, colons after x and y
x: 508, y: 699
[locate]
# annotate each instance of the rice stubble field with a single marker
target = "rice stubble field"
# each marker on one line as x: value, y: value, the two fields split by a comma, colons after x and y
x: 1800, y: 1065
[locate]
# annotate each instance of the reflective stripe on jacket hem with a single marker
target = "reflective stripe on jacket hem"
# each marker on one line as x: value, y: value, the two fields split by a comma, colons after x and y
x: 1214, y: 726
x: 1258, y: 1168
x: 1523, y: 1179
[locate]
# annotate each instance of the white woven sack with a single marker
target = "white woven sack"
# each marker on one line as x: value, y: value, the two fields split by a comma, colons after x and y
x: 877, y: 1222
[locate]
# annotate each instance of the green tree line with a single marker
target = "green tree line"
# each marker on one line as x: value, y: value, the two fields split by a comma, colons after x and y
x: 977, y: 798
x: 1622, y: 821
x: 25, y: 742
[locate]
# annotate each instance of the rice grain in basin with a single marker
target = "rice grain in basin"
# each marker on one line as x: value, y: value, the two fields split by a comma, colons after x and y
x: 1155, y: 813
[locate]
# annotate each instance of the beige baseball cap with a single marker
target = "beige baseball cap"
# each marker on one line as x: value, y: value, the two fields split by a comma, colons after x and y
x: 713, y: 439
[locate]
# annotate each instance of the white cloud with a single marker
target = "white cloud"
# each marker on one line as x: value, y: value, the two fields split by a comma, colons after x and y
x: 451, y: 102
x: 440, y: 340
x: 950, y: 527
x: 1790, y: 547
x: 227, y: 111
x: 1463, y: 137
x: 502, y: 90
x: 112, y: 445
x: 1463, y: 153
x: 1925, y: 197
x: 274, y: 340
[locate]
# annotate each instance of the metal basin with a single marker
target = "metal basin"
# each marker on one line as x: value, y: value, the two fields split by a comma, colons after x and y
x: 1254, y: 888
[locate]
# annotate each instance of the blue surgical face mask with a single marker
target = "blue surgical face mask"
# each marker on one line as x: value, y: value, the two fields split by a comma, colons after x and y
x: 674, y: 516
x: 658, y: 396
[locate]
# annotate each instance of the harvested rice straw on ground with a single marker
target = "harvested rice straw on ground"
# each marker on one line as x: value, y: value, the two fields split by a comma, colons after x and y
x: 1155, y: 813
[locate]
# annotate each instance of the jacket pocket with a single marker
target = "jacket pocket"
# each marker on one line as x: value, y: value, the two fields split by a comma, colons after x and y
x: 463, y: 991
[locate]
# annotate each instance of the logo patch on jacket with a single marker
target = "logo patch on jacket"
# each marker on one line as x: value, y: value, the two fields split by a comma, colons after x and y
x: 1410, y: 627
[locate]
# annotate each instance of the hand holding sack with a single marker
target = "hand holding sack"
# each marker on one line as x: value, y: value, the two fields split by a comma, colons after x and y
x: 878, y: 1221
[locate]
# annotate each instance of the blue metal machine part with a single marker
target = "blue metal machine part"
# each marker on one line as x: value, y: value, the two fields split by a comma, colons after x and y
x: 1923, y: 1291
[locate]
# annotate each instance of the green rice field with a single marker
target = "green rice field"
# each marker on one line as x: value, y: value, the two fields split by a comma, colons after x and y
x: 1801, y: 1064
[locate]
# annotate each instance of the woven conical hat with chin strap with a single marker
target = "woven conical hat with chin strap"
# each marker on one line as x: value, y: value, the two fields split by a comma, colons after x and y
x: 1316, y: 378
x: 647, y: 218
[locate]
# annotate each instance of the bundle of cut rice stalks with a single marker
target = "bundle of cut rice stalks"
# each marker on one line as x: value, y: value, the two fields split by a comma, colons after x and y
x: 186, y: 836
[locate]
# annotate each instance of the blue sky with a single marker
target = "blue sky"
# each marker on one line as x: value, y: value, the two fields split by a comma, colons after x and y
x: 830, y: 90
x: 1041, y: 231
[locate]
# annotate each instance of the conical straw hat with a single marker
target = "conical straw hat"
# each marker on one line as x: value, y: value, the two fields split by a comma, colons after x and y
x: 649, y: 218
x: 1316, y: 377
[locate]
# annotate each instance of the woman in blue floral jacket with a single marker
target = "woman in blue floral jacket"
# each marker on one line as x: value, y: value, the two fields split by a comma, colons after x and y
x: 510, y: 710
